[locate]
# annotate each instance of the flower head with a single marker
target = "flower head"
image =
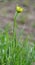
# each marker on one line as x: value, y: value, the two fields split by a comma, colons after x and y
x: 19, y: 9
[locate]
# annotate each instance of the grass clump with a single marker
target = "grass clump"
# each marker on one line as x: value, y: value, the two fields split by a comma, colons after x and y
x: 23, y: 19
x: 33, y: 25
x: 13, y: 52
x: 19, y: 54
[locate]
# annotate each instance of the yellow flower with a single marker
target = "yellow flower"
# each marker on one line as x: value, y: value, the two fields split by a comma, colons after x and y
x: 19, y: 9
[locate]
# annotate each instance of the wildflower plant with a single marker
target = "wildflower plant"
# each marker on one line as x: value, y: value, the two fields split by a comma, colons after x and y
x: 13, y: 52
x: 18, y: 10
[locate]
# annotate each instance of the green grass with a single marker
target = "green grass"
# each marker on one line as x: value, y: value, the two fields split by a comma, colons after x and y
x: 7, y: 0
x: 33, y: 25
x: 20, y: 54
x: 23, y: 19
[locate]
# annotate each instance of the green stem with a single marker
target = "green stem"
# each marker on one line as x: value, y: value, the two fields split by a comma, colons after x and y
x: 14, y: 29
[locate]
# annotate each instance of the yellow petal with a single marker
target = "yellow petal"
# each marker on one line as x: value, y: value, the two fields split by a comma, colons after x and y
x: 19, y: 9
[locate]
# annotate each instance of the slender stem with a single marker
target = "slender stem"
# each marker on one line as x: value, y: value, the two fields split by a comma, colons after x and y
x: 14, y: 29
x: 14, y: 33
